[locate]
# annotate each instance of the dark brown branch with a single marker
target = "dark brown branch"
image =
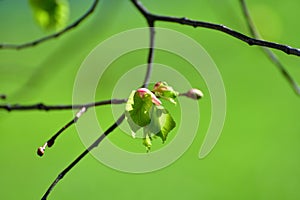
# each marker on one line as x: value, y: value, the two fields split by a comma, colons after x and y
x: 184, y: 21
x: 150, y: 22
x: 150, y: 54
x: 55, y: 35
x: 272, y: 57
x: 41, y: 106
x: 51, y: 141
x: 82, y: 155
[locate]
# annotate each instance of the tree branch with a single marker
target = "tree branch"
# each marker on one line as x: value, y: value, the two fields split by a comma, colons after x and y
x: 51, y: 141
x: 150, y: 22
x: 150, y: 54
x: 184, y: 21
x: 82, y: 155
x: 41, y: 106
x: 55, y: 35
x: 272, y: 57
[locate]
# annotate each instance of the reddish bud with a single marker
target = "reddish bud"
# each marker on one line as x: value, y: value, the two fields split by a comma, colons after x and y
x: 161, y: 87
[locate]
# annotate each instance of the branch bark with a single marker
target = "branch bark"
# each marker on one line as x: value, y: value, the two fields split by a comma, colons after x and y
x: 44, y: 107
x: 150, y: 21
x: 218, y: 27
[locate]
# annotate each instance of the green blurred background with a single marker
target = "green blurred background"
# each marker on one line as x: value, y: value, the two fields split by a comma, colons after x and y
x: 257, y: 156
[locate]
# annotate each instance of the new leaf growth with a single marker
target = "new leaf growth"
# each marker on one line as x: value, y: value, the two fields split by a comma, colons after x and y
x: 145, y: 111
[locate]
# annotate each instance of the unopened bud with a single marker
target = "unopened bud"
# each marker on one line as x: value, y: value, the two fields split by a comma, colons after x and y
x: 160, y: 86
x: 194, y: 94
x: 41, y: 151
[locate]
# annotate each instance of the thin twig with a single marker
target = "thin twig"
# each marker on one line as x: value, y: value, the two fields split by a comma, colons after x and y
x: 184, y: 21
x: 41, y: 106
x: 82, y: 155
x: 150, y: 22
x: 55, y: 35
x: 51, y: 141
x: 273, y: 58
x: 150, y: 55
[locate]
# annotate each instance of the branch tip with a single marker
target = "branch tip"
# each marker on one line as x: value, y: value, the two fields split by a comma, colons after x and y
x: 41, y: 150
x: 82, y: 155
x: 51, y: 141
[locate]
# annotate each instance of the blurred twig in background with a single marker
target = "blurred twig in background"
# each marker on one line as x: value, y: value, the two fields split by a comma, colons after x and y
x: 273, y: 58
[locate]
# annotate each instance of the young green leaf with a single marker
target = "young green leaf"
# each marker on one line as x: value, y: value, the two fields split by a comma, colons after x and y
x: 161, y: 123
x: 50, y: 14
x: 129, y: 107
x: 138, y: 109
x: 144, y: 110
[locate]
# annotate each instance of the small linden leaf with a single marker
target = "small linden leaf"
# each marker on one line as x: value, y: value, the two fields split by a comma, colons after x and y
x: 133, y: 126
x: 138, y: 109
x: 161, y: 123
x: 50, y: 14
